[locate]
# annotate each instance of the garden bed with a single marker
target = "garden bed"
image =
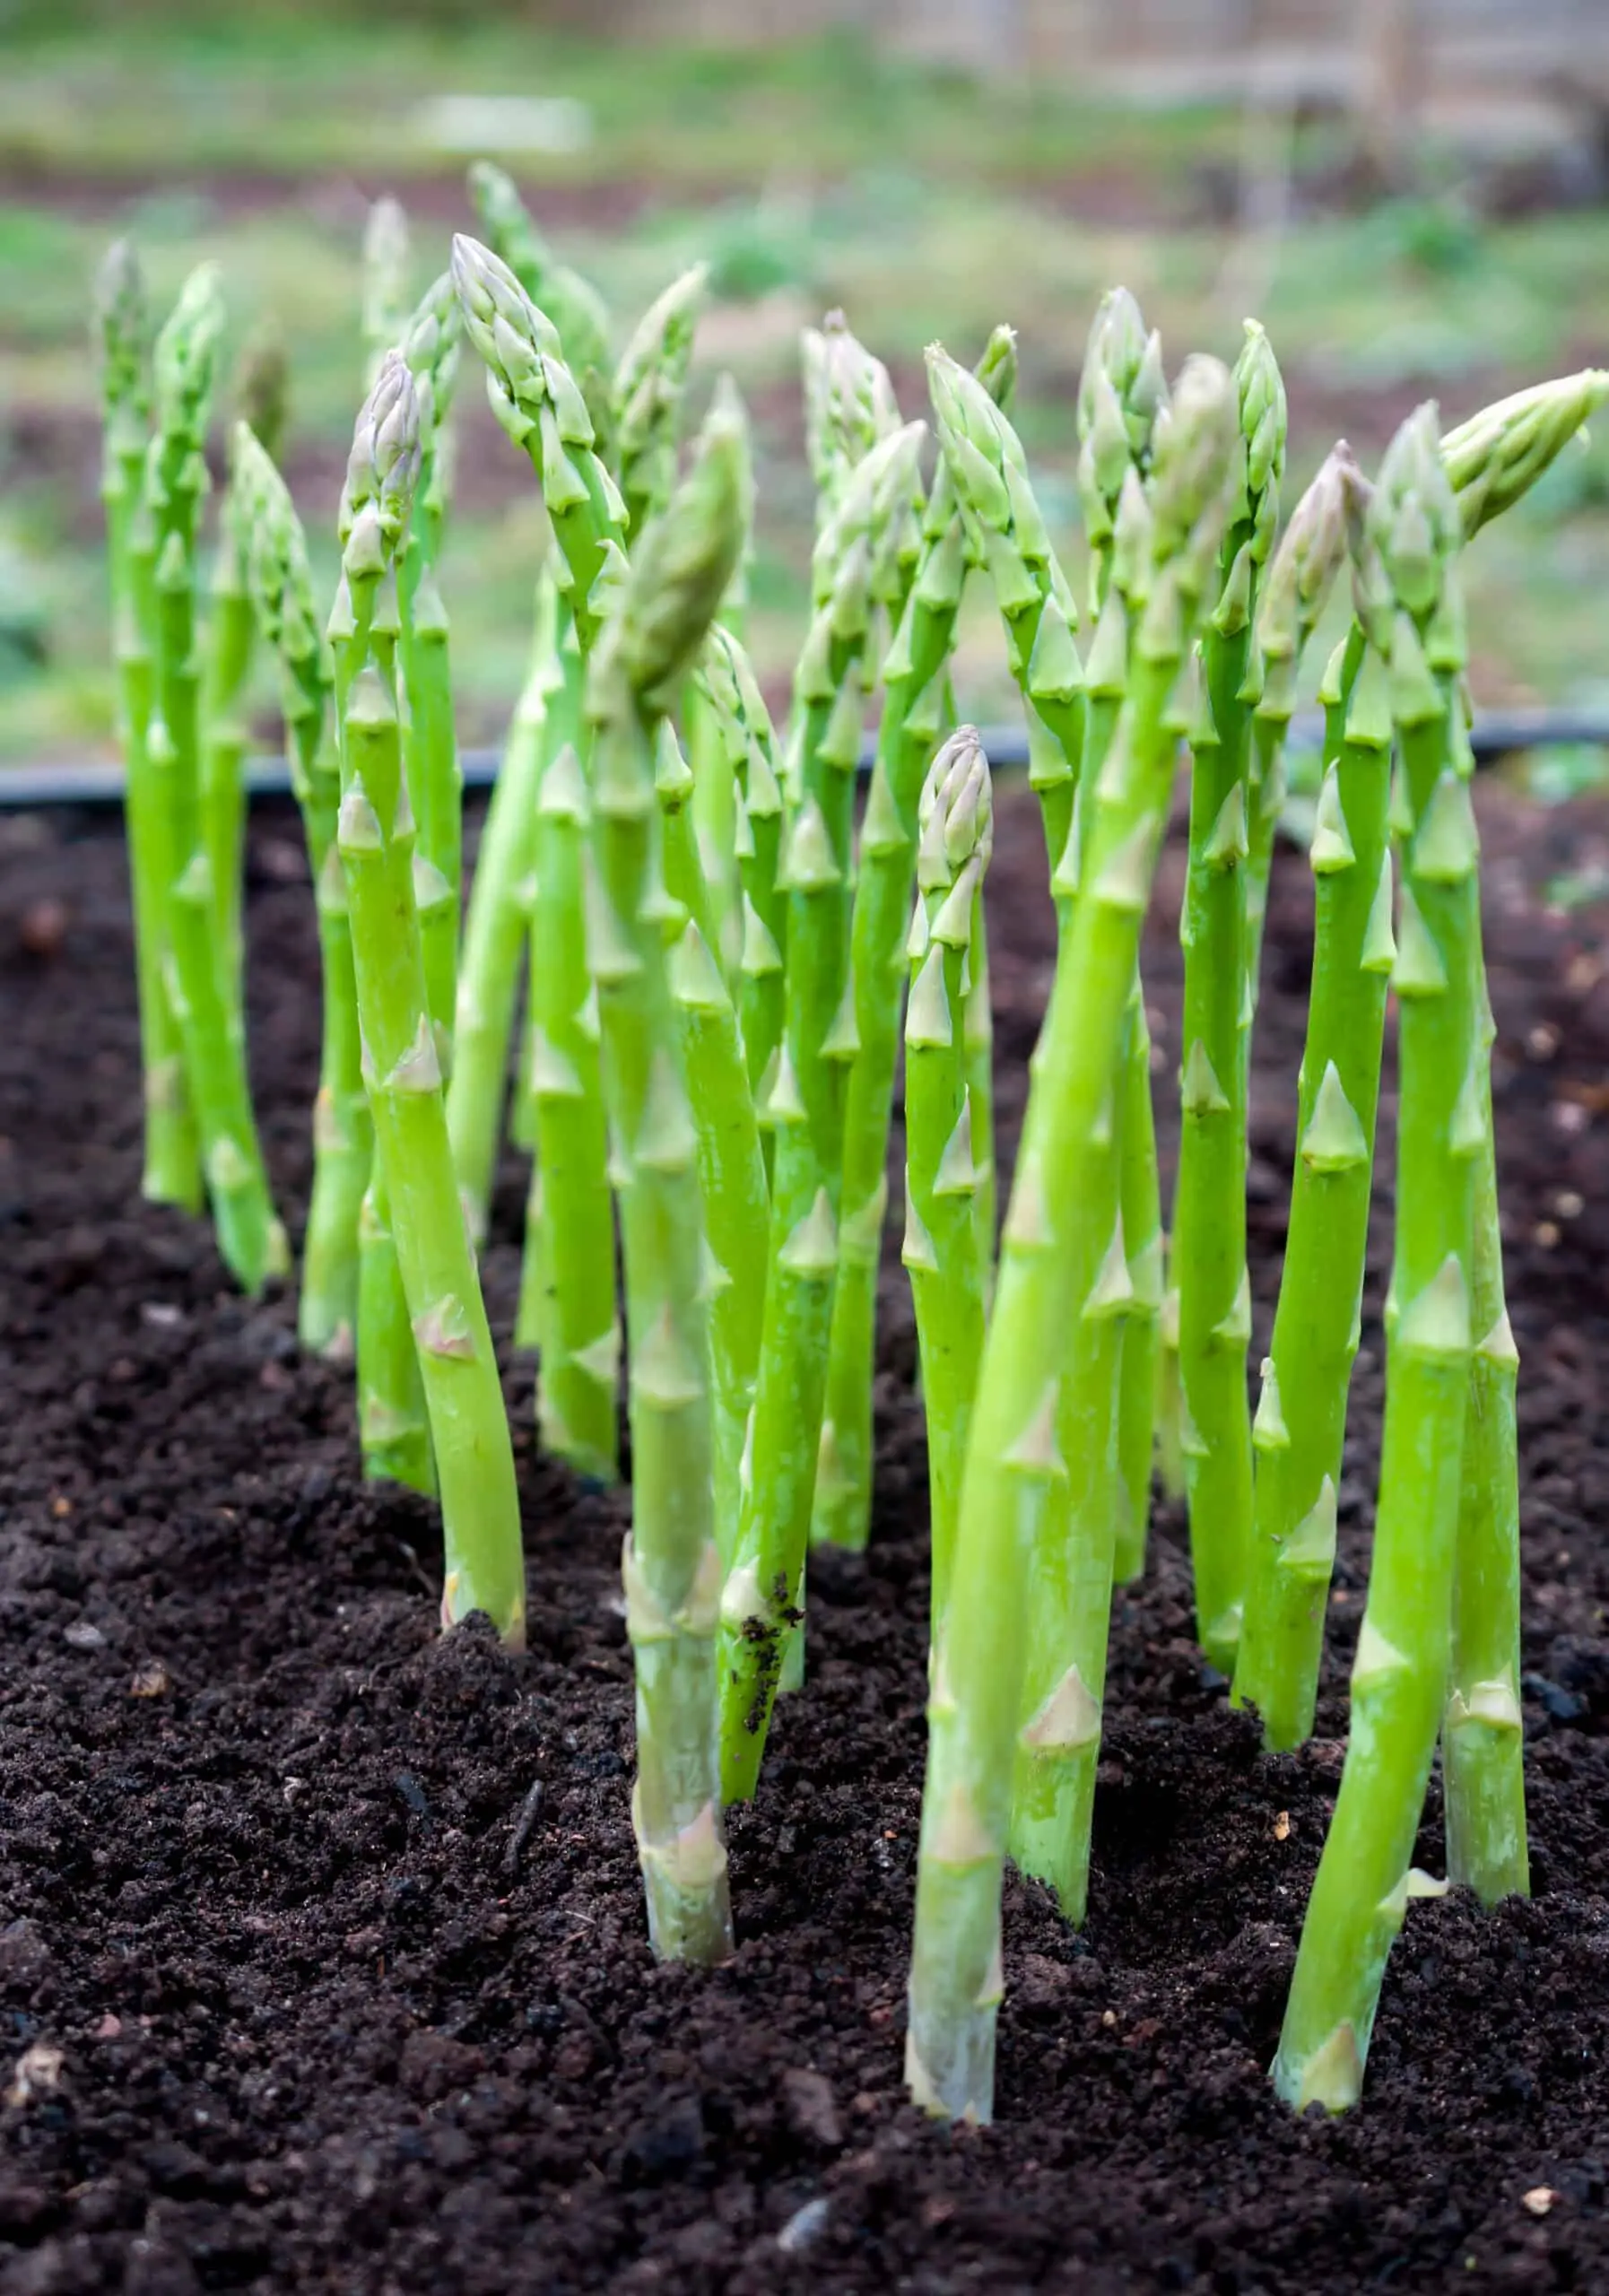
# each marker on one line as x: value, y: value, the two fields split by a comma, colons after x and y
x: 322, y: 1953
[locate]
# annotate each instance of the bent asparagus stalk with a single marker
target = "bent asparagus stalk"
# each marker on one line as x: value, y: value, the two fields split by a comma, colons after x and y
x: 1049, y: 1261
x: 475, y: 1458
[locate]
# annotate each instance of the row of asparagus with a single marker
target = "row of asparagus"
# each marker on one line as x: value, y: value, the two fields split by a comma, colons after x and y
x: 723, y: 967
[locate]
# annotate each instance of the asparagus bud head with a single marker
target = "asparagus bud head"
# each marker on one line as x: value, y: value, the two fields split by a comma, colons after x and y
x: 1414, y: 521
x: 123, y: 324
x: 1310, y: 555
x: 381, y: 470
x: 682, y: 568
x: 185, y: 363
x: 1192, y: 462
x: 1501, y: 453
x: 955, y: 832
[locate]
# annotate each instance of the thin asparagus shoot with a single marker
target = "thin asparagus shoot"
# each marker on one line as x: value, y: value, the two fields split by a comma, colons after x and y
x: 671, y: 1566
x: 941, y: 1172
x: 172, y: 1163
x: 475, y: 1458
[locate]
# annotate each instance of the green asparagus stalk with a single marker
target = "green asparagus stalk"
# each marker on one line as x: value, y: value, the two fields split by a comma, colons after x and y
x: 1074, y: 1555
x: 577, y: 1327
x: 226, y: 673
x: 392, y: 1411
x: 806, y: 1106
x: 651, y: 384
x: 941, y: 1181
x: 717, y: 780
x: 1049, y: 1263
x: 1121, y: 394
x: 281, y: 589
x: 172, y: 1163
x: 387, y: 301
x: 539, y: 403
x: 499, y: 916
x: 731, y: 694
x: 848, y: 406
x: 1209, y: 1223
x: 1400, y: 1675
x: 671, y: 1566
x: 1301, y: 1418
x: 250, y: 1237
x: 914, y: 675
x: 474, y: 1459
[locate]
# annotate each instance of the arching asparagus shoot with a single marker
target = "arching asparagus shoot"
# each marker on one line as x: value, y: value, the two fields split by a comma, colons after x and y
x: 1049, y: 1263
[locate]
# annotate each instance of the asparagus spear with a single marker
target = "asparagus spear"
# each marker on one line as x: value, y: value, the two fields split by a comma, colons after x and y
x: 577, y: 1325
x: 474, y: 1459
x: 651, y: 384
x: 716, y: 764
x: 671, y: 1566
x: 499, y: 918
x: 1049, y: 1262
x: 1209, y: 1222
x: 941, y: 1177
x: 393, y: 1411
x: 536, y: 399
x: 260, y: 394
x: 172, y: 1167
x: 1399, y: 1677
x: 806, y: 1106
x: 1301, y: 1418
x: 914, y: 678
x: 281, y: 589
x: 731, y: 692
x: 250, y: 1237
x: 1121, y: 394
x: 435, y: 781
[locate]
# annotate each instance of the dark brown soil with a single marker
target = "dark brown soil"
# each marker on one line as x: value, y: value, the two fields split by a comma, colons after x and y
x: 322, y: 1961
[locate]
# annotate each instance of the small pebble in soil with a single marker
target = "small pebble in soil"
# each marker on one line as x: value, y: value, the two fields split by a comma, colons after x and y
x: 1540, y: 2199
x: 43, y: 928
x: 82, y: 1635
x: 803, y: 2226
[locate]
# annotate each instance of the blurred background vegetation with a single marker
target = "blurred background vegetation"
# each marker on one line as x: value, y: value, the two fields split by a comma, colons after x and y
x: 1414, y: 205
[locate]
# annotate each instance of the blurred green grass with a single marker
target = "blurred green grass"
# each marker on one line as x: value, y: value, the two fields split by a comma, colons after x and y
x: 926, y: 206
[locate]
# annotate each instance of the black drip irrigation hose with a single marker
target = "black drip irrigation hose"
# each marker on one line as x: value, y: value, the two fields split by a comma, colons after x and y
x: 1502, y: 733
